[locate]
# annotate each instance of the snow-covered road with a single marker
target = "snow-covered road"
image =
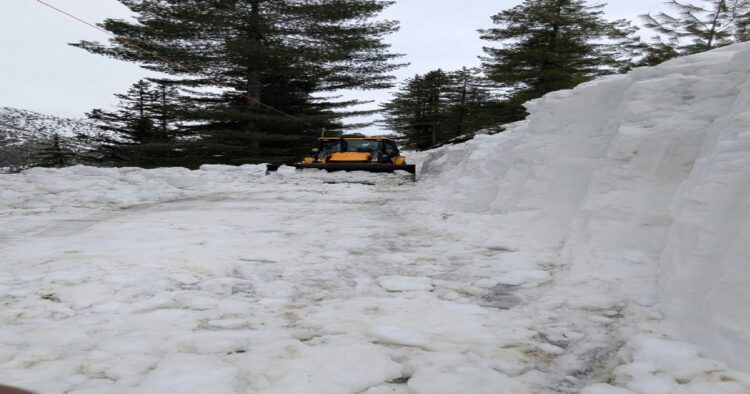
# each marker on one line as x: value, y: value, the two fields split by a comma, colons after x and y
x: 225, y: 280
x: 235, y: 282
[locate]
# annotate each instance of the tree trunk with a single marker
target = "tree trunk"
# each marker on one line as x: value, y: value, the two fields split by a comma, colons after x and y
x: 164, y: 111
x: 462, y: 110
x: 254, y: 77
x: 720, y: 6
x: 141, y: 105
x: 544, y: 85
x: 142, y: 120
x: 436, y: 112
x: 434, y: 133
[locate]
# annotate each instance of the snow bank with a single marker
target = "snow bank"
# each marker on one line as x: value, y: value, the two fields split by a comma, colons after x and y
x: 640, y: 182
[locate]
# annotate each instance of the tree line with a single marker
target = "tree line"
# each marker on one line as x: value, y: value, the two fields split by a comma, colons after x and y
x: 244, y: 81
x: 251, y: 81
x: 542, y: 46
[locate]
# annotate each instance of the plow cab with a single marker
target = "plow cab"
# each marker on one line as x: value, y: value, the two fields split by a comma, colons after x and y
x: 373, y: 154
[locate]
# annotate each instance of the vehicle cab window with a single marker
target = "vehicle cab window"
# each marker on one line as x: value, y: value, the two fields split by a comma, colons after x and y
x: 391, y: 149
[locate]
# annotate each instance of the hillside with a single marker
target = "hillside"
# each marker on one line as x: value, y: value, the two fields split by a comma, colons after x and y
x: 24, y: 133
x: 18, y: 126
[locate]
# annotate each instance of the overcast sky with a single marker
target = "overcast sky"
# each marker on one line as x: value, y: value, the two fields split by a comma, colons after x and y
x: 40, y: 72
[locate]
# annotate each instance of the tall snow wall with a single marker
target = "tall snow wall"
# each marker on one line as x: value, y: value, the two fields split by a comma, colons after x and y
x: 639, y: 183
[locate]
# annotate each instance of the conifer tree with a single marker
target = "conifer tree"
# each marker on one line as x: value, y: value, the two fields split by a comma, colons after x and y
x: 416, y: 110
x: 657, y: 51
x: 54, y: 153
x: 742, y: 22
x: 548, y: 45
x: 702, y: 25
x: 478, y: 103
x: 438, y: 106
x: 143, y: 130
x: 285, y: 53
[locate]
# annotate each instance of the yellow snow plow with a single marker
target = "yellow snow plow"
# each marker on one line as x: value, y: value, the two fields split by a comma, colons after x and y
x: 359, y: 153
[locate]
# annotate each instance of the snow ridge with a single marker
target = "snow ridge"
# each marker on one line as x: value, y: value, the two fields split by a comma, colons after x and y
x: 640, y: 182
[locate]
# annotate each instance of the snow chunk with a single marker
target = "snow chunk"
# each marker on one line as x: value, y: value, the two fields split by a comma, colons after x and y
x: 335, y: 365
x: 661, y: 350
x: 190, y: 373
x: 405, y: 283
x: 605, y: 389
x: 287, y: 170
x: 464, y: 379
x: 531, y: 278
x: 519, y: 278
x: 398, y: 336
x: 678, y: 359
x: 594, y: 302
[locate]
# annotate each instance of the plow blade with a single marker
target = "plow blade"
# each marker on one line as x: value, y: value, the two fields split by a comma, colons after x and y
x: 337, y: 167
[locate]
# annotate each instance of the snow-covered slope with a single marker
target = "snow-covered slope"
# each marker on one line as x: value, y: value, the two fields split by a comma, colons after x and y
x: 24, y: 134
x: 18, y: 126
x: 641, y: 181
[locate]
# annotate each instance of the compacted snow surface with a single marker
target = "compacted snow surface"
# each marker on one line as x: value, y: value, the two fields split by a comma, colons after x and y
x: 598, y: 247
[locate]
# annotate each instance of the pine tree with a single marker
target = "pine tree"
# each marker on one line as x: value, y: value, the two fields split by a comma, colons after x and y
x: 549, y: 45
x: 54, y: 153
x: 433, y: 108
x: 286, y: 53
x: 478, y: 103
x: 707, y: 25
x: 143, y: 130
x: 418, y: 109
x: 742, y: 21
x: 656, y: 52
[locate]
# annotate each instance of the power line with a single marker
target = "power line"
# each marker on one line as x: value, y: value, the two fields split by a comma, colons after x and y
x: 171, y: 62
